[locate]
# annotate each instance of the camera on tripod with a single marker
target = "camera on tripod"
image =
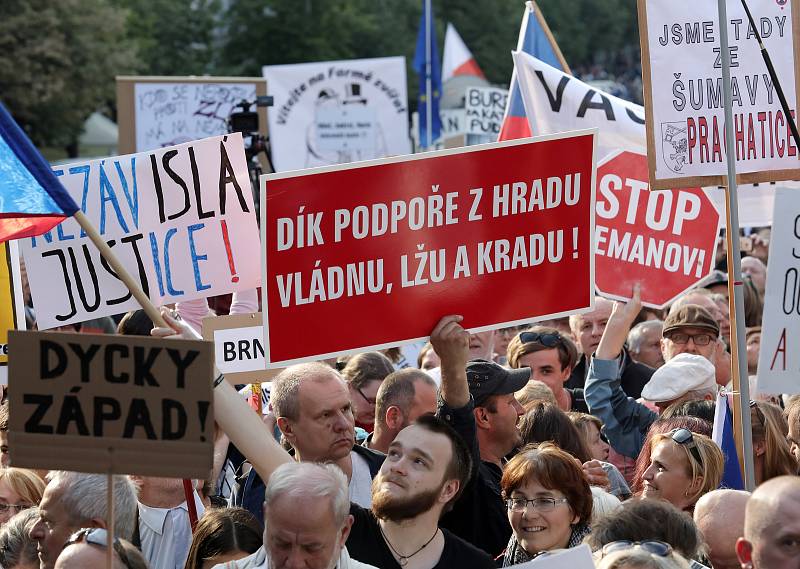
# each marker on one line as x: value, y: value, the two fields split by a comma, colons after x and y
x: 246, y: 121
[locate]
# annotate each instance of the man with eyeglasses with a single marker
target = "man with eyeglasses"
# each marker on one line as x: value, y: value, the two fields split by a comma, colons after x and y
x: 689, y: 331
x: 772, y: 526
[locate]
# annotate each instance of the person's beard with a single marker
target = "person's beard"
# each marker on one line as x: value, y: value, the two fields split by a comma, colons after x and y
x: 397, y: 509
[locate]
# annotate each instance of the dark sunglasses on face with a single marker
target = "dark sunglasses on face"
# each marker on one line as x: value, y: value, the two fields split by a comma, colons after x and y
x: 685, y: 438
x: 658, y: 548
x: 549, y: 339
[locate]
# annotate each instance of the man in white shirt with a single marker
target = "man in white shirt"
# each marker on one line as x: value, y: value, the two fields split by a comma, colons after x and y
x: 165, y: 533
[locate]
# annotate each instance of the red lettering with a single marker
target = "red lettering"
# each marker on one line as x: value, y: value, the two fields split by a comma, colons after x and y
x: 751, y: 137
x: 779, y: 120
x: 762, y: 119
x: 790, y: 139
x: 781, y: 350
x: 738, y: 127
x: 691, y: 135
x: 703, y: 131
x: 716, y: 150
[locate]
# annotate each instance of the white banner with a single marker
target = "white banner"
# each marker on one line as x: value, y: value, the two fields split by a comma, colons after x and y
x: 180, y: 219
x: 779, y: 359
x: 684, y: 101
x: 173, y: 113
x: 334, y: 112
x: 239, y: 350
x: 556, y: 102
x: 484, y: 109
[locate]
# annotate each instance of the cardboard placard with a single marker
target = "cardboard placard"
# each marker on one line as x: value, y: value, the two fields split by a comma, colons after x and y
x: 779, y: 359
x: 579, y: 557
x: 682, y: 76
x: 381, y: 250
x: 111, y: 404
x: 666, y: 240
x: 332, y: 112
x: 181, y: 219
x: 12, y: 303
x: 239, y: 347
x: 155, y: 112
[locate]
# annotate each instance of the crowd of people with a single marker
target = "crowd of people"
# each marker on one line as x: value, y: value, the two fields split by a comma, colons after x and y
x: 494, y: 449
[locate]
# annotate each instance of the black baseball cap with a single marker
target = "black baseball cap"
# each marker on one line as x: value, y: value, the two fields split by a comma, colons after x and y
x: 487, y: 378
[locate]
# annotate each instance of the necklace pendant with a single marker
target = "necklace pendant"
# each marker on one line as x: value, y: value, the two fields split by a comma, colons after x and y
x: 403, y: 561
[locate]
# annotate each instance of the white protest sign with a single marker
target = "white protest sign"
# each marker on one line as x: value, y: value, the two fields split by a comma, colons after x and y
x: 779, y: 359
x: 579, y: 557
x: 556, y: 102
x: 334, y: 112
x: 173, y: 113
x: 484, y: 109
x: 682, y: 74
x: 180, y: 219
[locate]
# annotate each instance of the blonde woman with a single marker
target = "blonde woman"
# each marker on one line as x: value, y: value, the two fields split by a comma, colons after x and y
x: 20, y: 489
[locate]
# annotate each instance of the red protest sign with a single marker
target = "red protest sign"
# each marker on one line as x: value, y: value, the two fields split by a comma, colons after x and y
x: 369, y: 255
x: 665, y: 239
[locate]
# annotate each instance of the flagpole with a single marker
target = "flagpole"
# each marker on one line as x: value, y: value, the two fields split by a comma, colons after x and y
x: 428, y: 81
x: 741, y: 386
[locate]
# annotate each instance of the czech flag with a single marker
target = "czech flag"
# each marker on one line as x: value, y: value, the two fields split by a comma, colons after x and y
x: 534, y: 38
x: 458, y: 59
x: 32, y: 200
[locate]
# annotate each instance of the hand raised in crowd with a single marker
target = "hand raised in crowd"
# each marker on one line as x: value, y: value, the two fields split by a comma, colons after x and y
x: 178, y: 329
x: 618, y: 326
x: 596, y: 475
x: 451, y: 343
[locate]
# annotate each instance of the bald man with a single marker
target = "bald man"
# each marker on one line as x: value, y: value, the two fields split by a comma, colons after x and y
x: 719, y: 515
x: 772, y: 526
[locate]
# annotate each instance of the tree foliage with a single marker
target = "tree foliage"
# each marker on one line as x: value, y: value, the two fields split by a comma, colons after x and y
x: 58, y: 61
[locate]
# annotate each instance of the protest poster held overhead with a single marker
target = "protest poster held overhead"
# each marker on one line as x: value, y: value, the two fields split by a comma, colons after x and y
x: 484, y: 109
x: 332, y: 112
x: 180, y: 219
x: 424, y: 236
x: 156, y: 112
x: 664, y: 239
x: 779, y: 358
x: 682, y: 75
x: 558, y: 102
x: 239, y: 347
x: 93, y: 403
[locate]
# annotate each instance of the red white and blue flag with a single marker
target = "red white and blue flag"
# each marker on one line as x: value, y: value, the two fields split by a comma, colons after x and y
x: 534, y: 38
x: 458, y: 59
x: 32, y: 200
x: 723, y: 436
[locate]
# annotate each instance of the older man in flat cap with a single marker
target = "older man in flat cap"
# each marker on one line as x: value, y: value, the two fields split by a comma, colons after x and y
x: 689, y: 344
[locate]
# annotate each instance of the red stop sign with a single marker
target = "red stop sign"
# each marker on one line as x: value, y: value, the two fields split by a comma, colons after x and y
x: 664, y: 239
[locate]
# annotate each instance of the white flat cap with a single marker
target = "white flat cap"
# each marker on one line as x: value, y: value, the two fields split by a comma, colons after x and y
x: 681, y: 374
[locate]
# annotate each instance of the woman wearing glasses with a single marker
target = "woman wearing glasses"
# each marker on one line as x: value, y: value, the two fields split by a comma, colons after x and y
x: 20, y: 489
x: 683, y: 467
x: 549, y: 502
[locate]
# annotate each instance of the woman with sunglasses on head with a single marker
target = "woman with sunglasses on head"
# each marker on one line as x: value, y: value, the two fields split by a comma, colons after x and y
x: 772, y: 454
x: 551, y: 356
x: 640, y: 555
x: 20, y: 489
x: 549, y: 502
x: 683, y: 467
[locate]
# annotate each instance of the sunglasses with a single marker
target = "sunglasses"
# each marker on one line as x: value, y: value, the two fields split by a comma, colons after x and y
x: 98, y: 537
x: 684, y: 437
x: 548, y: 339
x: 759, y: 414
x: 658, y: 548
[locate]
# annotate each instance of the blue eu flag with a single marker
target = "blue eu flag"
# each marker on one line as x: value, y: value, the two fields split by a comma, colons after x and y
x: 426, y: 64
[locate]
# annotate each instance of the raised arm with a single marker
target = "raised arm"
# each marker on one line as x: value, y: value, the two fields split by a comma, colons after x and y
x: 252, y: 436
x: 451, y: 343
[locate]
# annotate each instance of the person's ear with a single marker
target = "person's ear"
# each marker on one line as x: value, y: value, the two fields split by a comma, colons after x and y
x: 286, y: 427
x: 759, y: 447
x: 345, y: 531
x: 482, y: 420
x: 695, y: 486
x: 449, y: 490
x: 394, y: 417
x: 744, y: 551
